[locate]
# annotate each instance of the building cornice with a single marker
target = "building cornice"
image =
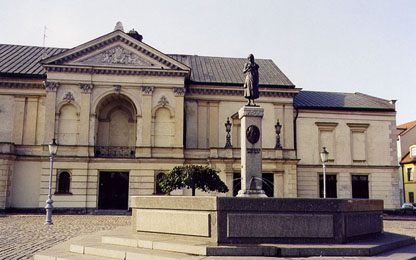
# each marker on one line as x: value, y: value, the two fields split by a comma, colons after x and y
x: 20, y: 85
x: 115, y: 71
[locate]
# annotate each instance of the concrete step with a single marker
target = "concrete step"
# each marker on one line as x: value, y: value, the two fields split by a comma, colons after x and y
x: 129, y: 253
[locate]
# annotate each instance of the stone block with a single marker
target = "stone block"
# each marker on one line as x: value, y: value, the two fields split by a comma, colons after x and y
x: 173, y: 222
x: 282, y: 225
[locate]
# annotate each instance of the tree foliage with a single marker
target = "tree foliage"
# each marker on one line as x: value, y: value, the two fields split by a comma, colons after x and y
x: 193, y: 177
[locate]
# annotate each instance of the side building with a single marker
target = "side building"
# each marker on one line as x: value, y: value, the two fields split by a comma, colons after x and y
x: 124, y: 113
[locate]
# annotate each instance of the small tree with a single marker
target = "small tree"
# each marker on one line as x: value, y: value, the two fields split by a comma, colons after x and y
x: 193, y: 177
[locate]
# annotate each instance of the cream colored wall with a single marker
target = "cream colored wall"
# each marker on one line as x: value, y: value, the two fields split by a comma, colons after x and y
x: 205, y: 121
x: 380, y: 153
x: 380, y: 146
x: 25, y: 184
x: 6, y: 117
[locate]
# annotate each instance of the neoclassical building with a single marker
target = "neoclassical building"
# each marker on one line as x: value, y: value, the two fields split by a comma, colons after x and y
x: 123, y: 113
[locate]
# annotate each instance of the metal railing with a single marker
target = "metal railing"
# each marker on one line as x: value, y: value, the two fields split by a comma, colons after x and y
x: 115, y: 151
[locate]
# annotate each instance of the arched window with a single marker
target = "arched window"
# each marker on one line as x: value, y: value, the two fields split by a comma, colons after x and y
x: 158, y: 189
x: 63, y: 183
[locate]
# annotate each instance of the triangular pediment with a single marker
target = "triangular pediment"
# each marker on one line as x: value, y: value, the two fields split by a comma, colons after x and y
x: 116, y: 49
x: 118, y: 55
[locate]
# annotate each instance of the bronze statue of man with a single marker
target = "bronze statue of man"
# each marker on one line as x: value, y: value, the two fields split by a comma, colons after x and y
x: 251, y: 84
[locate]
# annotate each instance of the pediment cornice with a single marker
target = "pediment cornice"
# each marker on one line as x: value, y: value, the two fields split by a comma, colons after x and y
x: 115, y: 49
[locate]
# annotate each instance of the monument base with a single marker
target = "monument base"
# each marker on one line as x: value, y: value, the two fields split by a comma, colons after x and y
x: 246, y: 220
x: 252, y: 193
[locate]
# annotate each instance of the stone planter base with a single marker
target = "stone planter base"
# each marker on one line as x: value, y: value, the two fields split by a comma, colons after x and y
x: 237, y: 220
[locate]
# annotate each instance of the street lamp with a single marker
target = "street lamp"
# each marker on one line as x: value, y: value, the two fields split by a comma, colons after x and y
x: 53, y: 147
x: 228, y: 130
x: 278, y: 128
x: 324, y: 159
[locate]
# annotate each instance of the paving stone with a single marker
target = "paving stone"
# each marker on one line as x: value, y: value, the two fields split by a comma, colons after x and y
x: 21, y: 236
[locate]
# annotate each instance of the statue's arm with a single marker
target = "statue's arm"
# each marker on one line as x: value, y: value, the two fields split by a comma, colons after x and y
x: 246, y: 68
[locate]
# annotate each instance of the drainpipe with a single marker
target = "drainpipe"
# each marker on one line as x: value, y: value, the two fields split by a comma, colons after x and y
x: 295, y: 131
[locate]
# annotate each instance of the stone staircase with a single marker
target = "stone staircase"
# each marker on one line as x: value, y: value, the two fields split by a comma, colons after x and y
x: 122, y: 243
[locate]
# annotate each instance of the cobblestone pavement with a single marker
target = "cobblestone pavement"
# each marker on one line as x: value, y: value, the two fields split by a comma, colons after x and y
x: 21, y: 236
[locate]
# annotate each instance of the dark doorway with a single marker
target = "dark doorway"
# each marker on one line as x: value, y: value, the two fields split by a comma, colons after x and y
x: 236, y: 183
x: 158, y: 189
x: 359, y: 186
x: 113, y: 190
x: 268, y: 184
x: 331, y: 186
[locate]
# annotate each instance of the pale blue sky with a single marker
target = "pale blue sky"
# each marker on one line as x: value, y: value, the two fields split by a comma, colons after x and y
x: 324, y: 45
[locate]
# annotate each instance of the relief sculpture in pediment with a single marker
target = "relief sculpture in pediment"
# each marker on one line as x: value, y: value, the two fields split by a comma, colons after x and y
x: 117, y: 55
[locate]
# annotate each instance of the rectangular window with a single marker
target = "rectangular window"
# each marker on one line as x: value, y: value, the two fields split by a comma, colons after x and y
x: 331, y: 186
x: 359, y: 186
x: 411, y: 197
x: 409, y: 174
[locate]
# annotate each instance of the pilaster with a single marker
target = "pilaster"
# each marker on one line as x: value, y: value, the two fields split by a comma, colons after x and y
x: 179, y: 116
x: 84, y: 116
x: 213, y: 124
x: 146, y: 123
x: 50, y: 107
x: 29, y: 130
x: 19, y: 116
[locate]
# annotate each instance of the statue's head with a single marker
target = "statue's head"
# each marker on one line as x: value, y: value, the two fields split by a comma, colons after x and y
x: 250, y: 57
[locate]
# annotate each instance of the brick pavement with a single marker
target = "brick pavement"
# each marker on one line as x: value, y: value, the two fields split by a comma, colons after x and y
x: 21, y: 236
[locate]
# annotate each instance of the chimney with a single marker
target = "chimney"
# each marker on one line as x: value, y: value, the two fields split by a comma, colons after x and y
x: 135, y: 35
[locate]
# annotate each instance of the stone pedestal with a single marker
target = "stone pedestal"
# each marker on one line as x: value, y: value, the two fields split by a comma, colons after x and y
x: 251, y: 155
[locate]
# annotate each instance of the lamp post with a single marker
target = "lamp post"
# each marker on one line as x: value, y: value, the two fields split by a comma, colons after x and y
x: 324, y: 159
x: 53, y: 147
x: 278, y: 128
x: 228, y: 130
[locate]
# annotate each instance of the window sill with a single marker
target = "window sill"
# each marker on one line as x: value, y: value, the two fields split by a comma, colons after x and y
x: 63, y: 194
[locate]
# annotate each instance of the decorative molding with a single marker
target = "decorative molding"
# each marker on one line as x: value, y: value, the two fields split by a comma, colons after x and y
x: 147, y: 90
x: 22, y: 85
x: 86, y: 88
x: 51, y: 86
x: 326, y: 125
x: 251, y: 111
x: 237, y: 92
x: 163, y: 101
x: 117, y: 89
x: 68, y: 97
x: 117, y: 71
x: 117, y: 55
x: 179, y: 92
x: 107, y: 42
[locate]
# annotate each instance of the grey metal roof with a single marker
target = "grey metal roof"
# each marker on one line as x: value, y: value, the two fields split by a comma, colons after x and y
x: 336, y: 100
x: 24, y: 60
x: 207, y: 69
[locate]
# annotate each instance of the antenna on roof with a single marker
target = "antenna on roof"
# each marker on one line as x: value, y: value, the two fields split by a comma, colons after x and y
x: 44, y: 40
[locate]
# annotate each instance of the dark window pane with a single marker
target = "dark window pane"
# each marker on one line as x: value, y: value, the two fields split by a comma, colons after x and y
x: 63, y: 182
x: 331, y: 186
x: 360, y: 186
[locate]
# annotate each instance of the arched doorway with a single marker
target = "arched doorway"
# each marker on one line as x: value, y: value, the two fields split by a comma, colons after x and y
x: 116, y: 127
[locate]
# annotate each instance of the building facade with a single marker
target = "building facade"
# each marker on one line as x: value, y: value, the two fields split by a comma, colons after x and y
x: 123, y: 113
